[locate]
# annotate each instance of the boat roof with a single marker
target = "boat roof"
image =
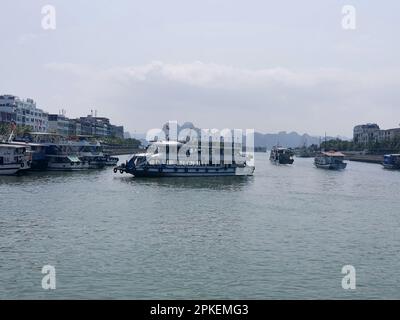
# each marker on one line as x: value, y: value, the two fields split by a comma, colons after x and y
x: 73, y: 158
x: 45, y: 133
x: 15, y: 146
x: 393, y: 155
x: 333, y: 154
x: 171, y: 142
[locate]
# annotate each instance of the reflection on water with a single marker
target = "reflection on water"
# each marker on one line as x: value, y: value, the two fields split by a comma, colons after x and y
x: 233, y: 183
x: 47, y: 176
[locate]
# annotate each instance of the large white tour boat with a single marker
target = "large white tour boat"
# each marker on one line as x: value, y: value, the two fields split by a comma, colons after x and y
x: 160, y: 162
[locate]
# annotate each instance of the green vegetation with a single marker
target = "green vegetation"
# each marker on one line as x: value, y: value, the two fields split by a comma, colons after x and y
x: 340, y: 145
x: 388, y: 146
x: 114, y: 141
x: 5, y: 130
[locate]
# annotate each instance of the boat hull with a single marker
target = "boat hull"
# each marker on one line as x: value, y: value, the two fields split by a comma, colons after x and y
x: 282, y: 161
x: 340, y: 166
x: 67, y: 167
x: 187, y: 171
x: 9, y: 169
x: 391, y: 166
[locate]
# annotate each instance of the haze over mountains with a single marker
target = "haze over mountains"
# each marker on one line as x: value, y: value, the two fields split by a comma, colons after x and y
x: 268, y: 140
x: 290, y: 140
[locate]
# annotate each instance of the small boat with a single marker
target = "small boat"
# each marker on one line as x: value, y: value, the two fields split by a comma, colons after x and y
x: 330, y: 160
x: 391, y: 161
x: 14, y: 158
x: 111, y: 161
x: 66, y: 163
x: 281, y: 155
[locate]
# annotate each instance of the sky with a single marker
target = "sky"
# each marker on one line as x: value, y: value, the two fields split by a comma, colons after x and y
x: 267, y: 65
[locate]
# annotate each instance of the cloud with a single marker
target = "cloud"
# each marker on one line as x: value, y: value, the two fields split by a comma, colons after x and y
x: 270, y: 99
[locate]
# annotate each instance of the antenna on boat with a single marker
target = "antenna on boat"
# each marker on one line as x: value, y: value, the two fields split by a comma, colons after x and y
x: 320, y: 144
x: 13, y: 127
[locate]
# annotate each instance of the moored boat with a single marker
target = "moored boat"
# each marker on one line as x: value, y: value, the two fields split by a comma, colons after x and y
x: 111, y: 161
x: 66, y: 163
x: 13, y: 158
x: 391, y: 161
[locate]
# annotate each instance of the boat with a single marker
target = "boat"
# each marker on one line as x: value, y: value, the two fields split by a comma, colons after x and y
x: 13, y: 158
x: 391, y: 161
x: 331, y: 160
x: 280, y: 155
x: 111, y: 161
x: 90, y: 152
x: 45, y: 146
x: 66, y: 163
x: 158, y: 162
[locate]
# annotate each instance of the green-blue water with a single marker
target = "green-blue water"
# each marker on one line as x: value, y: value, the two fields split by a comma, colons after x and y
x: 284, y: 233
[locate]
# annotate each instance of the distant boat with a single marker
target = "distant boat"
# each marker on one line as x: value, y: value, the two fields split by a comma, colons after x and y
x: 391, y: 161
x: 281, y: 155
x: 111, y: 161
x: 66, y: 163
x: 330, y: 160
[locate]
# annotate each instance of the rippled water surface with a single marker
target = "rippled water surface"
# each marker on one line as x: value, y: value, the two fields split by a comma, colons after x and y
x: 284, y: 233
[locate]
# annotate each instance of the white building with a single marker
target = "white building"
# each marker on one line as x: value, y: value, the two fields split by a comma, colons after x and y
x: 371, y: 133
x: 23, y: 112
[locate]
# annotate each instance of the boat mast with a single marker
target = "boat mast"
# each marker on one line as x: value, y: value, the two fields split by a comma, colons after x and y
x: 13, y: 127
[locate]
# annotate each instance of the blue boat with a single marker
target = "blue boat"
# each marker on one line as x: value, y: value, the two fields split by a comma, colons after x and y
x: 391, y: 161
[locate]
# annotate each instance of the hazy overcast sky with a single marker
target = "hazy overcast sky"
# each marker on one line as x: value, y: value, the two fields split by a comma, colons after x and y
x: 267, y: 65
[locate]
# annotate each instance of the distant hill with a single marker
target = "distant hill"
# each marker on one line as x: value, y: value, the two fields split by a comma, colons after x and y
x: 262, y: 140
x: 289, y: 140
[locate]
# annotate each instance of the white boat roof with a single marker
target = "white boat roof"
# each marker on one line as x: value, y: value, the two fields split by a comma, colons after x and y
x: 333, y: 154
x: 167, y: 143
x: 15, y: 146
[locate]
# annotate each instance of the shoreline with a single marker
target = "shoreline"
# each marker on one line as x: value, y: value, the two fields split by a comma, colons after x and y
x: 367, y: 158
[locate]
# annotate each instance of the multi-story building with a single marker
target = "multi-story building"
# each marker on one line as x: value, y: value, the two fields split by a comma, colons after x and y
x: 60, y: 124
x: 26, y: 113
x: 371, y: 133
x: 117, y: 131
x: 23, y: 113
x: 100, y: 126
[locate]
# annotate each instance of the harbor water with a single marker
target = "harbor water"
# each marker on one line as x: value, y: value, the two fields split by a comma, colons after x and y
x: 284, y: 233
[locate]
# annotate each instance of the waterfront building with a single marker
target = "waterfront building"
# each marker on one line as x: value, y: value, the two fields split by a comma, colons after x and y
x: 59, y: 124
x: 23, y: 113
x: 371, y: 133
x: 118, y: 131
x: 100, y: 126
x: 26, y: 113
